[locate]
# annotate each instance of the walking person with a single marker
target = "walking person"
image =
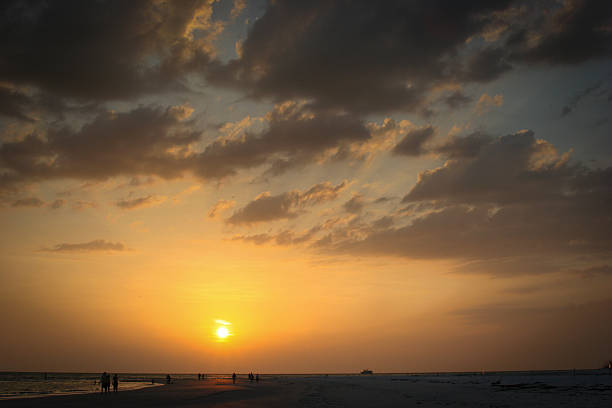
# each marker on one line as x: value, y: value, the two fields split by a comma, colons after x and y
x: 115, y: 382
x: 234, y: 378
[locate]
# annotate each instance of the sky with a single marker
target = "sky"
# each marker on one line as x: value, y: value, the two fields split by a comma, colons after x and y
x: 400, y: 186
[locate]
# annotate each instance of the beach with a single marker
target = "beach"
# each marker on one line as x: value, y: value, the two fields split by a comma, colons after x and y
x: 467, y: 390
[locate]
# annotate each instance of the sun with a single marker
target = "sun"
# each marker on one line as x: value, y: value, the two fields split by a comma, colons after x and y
x: 222, y: 332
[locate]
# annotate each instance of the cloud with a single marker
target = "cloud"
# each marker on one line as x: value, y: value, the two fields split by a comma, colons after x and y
x: 457, y: 100
x: 163, y: 142
x: 266, y: 207
x: 221, y: 206
x: 295, y: 136
x: 283, y: 238
x: 355, y: 204
x: 413, y: 143
x: 140, y: 202
x: 336, y: 47
x: 486, y: 102
x: 463, y: 147
x: 573, y: 33
x: 103, y: 51
x: 573, y: 102
x: 144, y: 141
x: 512, y: 201
x: 98, y: 245
x: 331, y: 47
x: 14, y: 104
x: 83, y: 205
x: 237, y: 8
x: 513, y: 168
x: 59, y: 203
x: 595, y: 271
x: 28, y: 202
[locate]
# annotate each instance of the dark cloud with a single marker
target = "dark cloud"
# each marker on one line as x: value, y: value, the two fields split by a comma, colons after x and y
x: 457, y: 100
x: 133, y: 203
x: 98, y: 245
x: 513, y: 168
x: 355, y: 204
x: 266, y: 207
x: 370, y: 57
x: 413, y: 143
x: 102, y: 50
x: 283, y: 238
x: 515, y: 200
x: 57, y: 204
x: 14, y: 104
x: 295, y: 136
x: 28, y: 202
x: 146, y: 141
x: 595, y: 271
x: 153, y: 141
x: 574, y: 32
x: 320, y: 50
x: 573, y: 102
x: 462, y: 147
x: 485, y: 65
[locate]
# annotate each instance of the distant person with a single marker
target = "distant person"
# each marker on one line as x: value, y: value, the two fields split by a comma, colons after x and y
x: 115, y: 383
x: 102, y: 381
x: 234, y: 378
x: 168, y: 379
x: 199, y: 376
x: 107, y: 383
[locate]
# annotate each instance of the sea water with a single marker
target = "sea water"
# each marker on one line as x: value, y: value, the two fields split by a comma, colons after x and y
x: 21, y: 385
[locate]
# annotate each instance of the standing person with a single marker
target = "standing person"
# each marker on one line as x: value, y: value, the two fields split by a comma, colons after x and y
x: 107, y: 383
x: 234, y: 378
x: 199, y: 376
x: 168, y: 379
x: 102, y: 382
x: 115, y: 382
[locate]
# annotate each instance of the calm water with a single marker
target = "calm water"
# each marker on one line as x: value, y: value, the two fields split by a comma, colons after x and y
x: 21, y: 385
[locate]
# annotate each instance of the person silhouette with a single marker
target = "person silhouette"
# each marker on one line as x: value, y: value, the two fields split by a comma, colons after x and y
x: 102, y: 382
x: 107, y: 383
x: 234, y: 378
x: 168, y: 379
x: 115, y: 382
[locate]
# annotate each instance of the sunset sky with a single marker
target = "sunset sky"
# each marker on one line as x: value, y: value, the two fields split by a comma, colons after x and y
x: 404, y: 186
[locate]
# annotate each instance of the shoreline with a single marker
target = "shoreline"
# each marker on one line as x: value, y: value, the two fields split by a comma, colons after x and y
x: 68, y: 393
x: 525, y: 391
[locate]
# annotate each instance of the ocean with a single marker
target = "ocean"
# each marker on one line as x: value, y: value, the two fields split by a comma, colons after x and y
x: 23, y: 385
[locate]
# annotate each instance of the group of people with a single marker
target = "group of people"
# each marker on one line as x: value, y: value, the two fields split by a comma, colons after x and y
x: 201, y: 376
x: 251, y: 377
x: 105, y: 382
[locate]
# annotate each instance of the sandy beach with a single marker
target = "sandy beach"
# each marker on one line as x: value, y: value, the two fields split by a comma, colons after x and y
x: 356, y: 391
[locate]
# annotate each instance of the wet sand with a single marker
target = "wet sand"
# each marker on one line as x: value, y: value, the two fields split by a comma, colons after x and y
x: 355, y: 391
x: 182, y: 393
